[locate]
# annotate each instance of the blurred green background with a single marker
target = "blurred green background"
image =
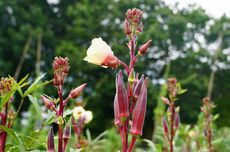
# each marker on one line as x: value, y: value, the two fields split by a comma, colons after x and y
x: 187, y: 44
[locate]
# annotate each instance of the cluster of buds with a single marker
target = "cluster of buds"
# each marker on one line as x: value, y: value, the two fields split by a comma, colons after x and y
x: 173, y: 117
x: 132, y: 24
x: 7, y: 114
x: 130, y: 111
x: 61, y: 69
x: 207, y: 109
x: 80, y: 118
x: 6, y: 85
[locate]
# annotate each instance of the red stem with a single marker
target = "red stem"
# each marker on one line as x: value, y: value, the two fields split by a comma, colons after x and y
x: 132, y: 143
x: 172, y: 126
x: 60, y: 126
x: 3, y: 134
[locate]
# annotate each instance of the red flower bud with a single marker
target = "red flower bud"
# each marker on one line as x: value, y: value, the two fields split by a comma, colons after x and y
x: 66, y: 136
x: 48, y: 103
x: 177, y: 120
x: 138, y: 87
x: 127, y: 27
x: 139, y: 111
x: 165, y: 126
x: 77, y: 91
x: 122, y: 97
x: 117, y: 120
x: 144, y: 48
x: 50, y: 141
x: 165, y: 100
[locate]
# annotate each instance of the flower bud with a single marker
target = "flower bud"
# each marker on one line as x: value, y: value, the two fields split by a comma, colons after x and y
x: 144, y: 48
x: 165, y: 126
x: 122, y: 96
x: 131, y: 77
x: 165, y: 100
x: 66, y: 136
x: 11, y: 114
x: 61, y: 69
x: 138, y: 87
x: 50, y: 142
x: 134, y: 15
x: 177, y: 120
x: 127, y: 27
x: 172, y: 86
x: 77, y: 91
x: 139, y: 111
x: 60, y: 120
x: 117, y: 120
x: 48, y: 103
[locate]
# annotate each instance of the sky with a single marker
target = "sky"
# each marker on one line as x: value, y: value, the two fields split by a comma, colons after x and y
x: 216, y: 8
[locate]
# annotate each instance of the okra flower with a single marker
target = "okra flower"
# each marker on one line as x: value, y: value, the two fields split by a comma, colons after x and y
x: 78, y: 112
x: 100, y: 53
x: 88, y: 116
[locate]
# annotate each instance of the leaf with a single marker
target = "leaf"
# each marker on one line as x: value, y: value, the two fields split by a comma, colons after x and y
x: 88, y: 134
x: 14, y: 137
x: 23, y: 79
x: 36, y: 105
x: 51, y: 119
x: 36, y: 85
x: 181, y: 91
x: 151, y: 145
x: 67, y: 112
x: 99, y: 137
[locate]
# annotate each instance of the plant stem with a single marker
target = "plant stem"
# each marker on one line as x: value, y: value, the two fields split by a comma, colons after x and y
x: 3, y: 133
x: 60, y: 125
x: 172, y: 126
x: 132, y: 143
x: 19, y: 108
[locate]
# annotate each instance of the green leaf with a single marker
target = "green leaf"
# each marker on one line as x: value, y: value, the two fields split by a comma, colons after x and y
x: 36, y: 105
x: 23, y: 79
x: 181, y: 91
x: 67, y: 112
x: 36, y: 85
x: 51, y: 118
x: 151, y: 145
x: 88, y: 135
x: 14, y: 137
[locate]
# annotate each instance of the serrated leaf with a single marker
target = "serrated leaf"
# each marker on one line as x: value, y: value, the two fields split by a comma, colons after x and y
x: 36, y: 106
x: 14, y: 136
